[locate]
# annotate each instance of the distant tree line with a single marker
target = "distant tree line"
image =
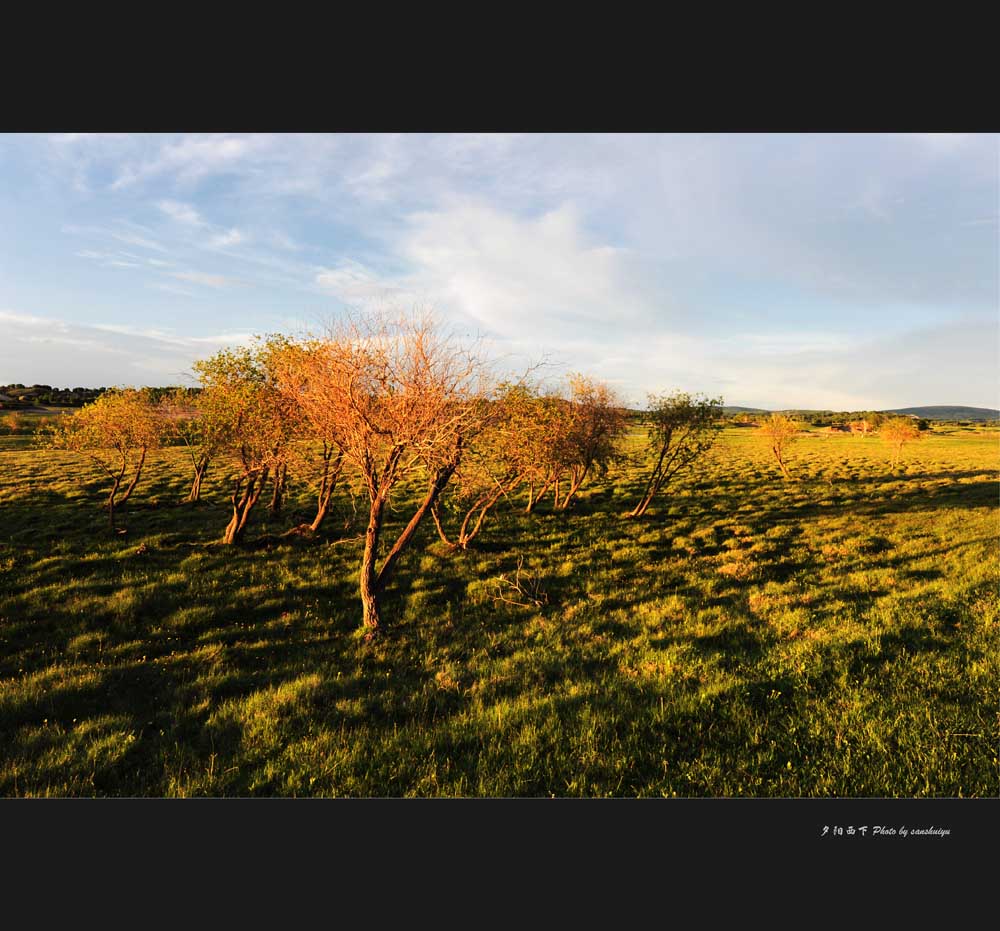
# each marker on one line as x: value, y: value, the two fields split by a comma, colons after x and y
x: 17, y: 396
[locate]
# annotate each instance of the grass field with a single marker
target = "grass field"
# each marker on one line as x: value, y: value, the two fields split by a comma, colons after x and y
x: 832, y: 636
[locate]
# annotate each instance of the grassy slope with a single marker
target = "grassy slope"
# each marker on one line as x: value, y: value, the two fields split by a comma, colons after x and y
x: 836, y: 636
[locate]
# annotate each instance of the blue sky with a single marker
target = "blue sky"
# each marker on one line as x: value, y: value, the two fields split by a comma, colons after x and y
x: 823, y: 271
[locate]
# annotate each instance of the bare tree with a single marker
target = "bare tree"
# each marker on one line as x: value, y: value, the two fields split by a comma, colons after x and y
x: 115, y: 432
x: 779, y: 431
x: 400, y: 399
x: 681, y: 429
x: 896, y: 432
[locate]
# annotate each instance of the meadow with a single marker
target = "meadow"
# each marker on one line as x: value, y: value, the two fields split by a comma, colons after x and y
x: 832, y: 636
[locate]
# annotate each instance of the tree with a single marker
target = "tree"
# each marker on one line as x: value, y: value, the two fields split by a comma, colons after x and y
x: 682, y: 428
x: 115, y: 432
x: 189, y: 420
x: 490, y: 470
x: 315, y: 451
x: 401, y: 399
x: 779, y: 431
x: 595, y: 421
x: 897, y: 432
x: 538, y: 422
x: 253, y: 420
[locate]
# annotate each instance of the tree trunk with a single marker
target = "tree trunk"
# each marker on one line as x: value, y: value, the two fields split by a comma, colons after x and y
x: 278, y: 493
x: 201, y: 467
x: 116, y: 484
x: 330, y: 476
x: 781, y: 462
x: 111, y: 503
x: 242, y: 506
x: 440, y: 528
x: 477, y: 513
x: 373, y: 583
x: 135, y: 478
x: 534, y: 499
x: 434, y: 490
x: 652, y: 486
x: 369, y: 581
x: 576, y: 478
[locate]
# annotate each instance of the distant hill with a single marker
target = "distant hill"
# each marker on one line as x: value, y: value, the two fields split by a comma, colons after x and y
x: 729, y: 411
x: 949, y: 412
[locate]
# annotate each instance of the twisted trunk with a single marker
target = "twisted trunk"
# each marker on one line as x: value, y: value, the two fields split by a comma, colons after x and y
x: 474, y: 516
x: 279, y: 483
x: 532, y: 498
x: 576, y: 477
x: 652, y: 486
x: 135, y: 478
x: 781, y: 463
x: 244, y: 498
x: 373, y: 583
x: 330, y: 475
x: 200, y: 468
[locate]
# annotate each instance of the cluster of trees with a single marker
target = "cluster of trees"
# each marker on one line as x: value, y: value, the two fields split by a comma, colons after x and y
x: 18, y: 396
x: 779, y: 431
x: 864, y: 422
x: 375, y: 404
x: 379, y: 404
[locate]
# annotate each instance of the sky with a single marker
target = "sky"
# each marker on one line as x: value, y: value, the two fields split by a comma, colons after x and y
x: 844, y: 272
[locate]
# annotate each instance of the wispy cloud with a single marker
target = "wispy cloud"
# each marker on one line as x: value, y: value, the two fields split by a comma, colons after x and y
x: 129, y: 236
x: 229, y: 238
x: 171, y: 289
x: 190, y: 159
x: 182, y: 213
x: 353, y: 283
x: 209, y: 280
x: 102, y: 353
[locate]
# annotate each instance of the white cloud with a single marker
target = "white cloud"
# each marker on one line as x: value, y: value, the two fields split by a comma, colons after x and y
x: 100, y: 354
x: 522, y: 278
x: 283, y: 241
x: 170, y: 289
x: 182, y: 213
x: 231, y: 237
x: 353, y: 283
x: 191, y: 158
x: 211, y: 281
x: 133, y: 239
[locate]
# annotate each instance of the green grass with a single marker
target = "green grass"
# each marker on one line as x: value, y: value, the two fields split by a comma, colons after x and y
x: 832, y: 636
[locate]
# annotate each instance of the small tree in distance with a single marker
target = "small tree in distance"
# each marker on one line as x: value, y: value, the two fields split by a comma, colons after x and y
x: 779, y: 430
x: 896, y: 432
x: 682, y: 428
